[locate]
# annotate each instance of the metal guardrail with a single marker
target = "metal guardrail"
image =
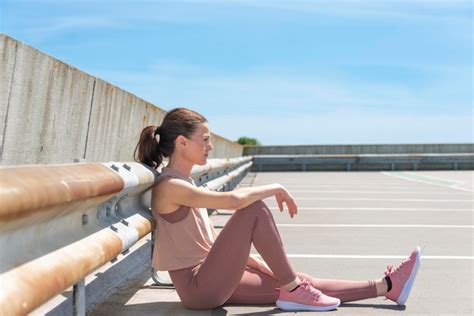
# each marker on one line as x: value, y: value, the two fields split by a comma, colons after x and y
x: 59, y: 223
x: 216, y: 168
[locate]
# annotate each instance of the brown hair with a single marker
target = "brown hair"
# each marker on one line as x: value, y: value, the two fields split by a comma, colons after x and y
x: 179, y: 121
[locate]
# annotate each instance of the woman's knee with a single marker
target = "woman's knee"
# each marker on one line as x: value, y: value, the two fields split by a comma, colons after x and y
x: 257, y: 206
x: 255, y: 211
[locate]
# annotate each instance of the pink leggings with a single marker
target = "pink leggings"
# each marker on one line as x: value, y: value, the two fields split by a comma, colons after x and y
x: 224, y: 277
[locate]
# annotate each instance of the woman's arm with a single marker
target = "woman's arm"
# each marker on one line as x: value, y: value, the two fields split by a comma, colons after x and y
x: 183, y: 193
x: 251, y: 194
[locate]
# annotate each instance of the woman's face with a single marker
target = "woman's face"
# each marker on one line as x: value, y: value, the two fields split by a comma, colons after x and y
x: 200, y: 144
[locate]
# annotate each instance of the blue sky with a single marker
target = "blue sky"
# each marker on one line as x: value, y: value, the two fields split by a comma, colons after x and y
x: 285, y: 72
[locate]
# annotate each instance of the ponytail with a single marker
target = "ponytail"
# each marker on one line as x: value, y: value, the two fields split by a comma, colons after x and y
x: 148, y: 149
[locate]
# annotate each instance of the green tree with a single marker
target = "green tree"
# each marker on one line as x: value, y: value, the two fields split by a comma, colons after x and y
x: 248, y: 141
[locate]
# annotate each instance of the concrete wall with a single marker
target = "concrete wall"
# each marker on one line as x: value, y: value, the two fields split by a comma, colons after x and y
x: 359, y: 149
x: 363, y: 162
x: 51, y: 112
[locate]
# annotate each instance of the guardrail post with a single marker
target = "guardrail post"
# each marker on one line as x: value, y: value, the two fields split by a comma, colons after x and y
x: 158, y: 281
x: 152, y: 246
x: 79, y: 298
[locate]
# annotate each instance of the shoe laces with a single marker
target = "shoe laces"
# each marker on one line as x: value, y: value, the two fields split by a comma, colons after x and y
x: 310, y: 289
x: 391, y: 270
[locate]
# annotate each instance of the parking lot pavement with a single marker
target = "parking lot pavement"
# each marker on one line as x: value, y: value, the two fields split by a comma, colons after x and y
x: 351, y: 225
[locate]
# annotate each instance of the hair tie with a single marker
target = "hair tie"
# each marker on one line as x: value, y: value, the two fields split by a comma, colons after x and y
x: 157, y: 132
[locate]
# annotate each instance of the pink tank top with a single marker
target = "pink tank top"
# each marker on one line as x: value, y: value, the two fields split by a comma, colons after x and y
x: 183, y: 237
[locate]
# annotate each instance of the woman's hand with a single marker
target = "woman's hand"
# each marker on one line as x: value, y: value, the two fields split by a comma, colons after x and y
x: 283, y: 196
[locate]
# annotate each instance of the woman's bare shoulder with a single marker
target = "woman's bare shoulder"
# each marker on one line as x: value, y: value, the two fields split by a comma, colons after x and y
x: 162, y: 194
x: 168, y: 184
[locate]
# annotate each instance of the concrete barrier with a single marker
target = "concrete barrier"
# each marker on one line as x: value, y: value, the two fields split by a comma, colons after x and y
x: 51, y: 112
x: 366, y: 162
x: 359, y: 149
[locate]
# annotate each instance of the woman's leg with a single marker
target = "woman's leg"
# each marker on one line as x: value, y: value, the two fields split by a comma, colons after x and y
x: 345, y: 290
x: 256, y: 287
x: 213, y: 282
x: 401, y: 281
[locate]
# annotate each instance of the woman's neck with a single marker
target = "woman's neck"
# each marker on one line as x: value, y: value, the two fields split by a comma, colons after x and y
x: 182, y: 167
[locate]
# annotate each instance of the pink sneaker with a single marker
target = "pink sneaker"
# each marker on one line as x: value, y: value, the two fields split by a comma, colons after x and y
x: 306, y: 298
x: 402, y: 277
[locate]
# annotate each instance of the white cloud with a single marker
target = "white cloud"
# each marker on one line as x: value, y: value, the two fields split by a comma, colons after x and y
x: 281, y: 90
x: 58, y: 25
x: 79, y: 14
x: 345, y: 127
x: 285, y: 108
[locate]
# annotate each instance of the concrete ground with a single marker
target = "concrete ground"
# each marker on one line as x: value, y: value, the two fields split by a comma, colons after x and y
x: 351, y: 225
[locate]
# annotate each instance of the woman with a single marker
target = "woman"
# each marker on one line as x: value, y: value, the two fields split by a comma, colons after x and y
x: 209, y: 270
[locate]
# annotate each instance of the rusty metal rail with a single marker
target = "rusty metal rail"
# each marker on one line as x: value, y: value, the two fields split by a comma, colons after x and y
x: 59, y: 223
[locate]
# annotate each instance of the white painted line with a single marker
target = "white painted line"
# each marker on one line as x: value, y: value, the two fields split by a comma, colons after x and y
x: 382, y: 192
x: 358, y: 187
x: 377, y: 209
x: 420, y: 175
x: 341, y: 184
x: 419, y: 178
x: 376, y: 225
x: 323, y: 183
x: 458, y: 186
x: 423, y: 257
x: 375, y: 199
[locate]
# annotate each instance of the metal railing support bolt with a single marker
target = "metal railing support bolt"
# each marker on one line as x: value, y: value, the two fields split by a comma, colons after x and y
x: 79, y: 298
x: 85, y: 219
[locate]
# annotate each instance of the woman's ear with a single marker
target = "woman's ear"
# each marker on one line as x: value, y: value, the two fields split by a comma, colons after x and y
x: 181, y: 141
